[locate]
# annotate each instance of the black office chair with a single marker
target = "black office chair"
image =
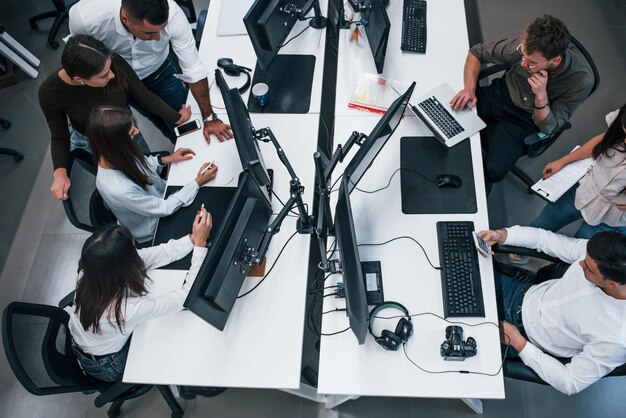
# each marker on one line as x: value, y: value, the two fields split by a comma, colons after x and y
x: 84, y: 206
x: 37, y: 344
x: 515, y: 368
x: 539, y: 146
x: 188, y: 8
x: 200, y: 27
x: 59, y: 14
x: 9, y: 151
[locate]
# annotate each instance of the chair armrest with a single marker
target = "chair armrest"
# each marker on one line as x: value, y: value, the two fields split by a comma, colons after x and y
x: 492, y: 69
x: 68, y: 300
x: 516, y: 369
x: 510, y: 249
x: 112, y: 392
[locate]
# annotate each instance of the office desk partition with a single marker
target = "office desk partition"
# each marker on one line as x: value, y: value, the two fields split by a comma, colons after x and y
x: 261, y: 345
x: 239, y: 48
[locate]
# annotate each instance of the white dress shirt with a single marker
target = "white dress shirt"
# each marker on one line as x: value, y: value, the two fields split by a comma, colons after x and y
x: 139, y: 309
x: 569, y: 317
x: 101, y: 19
x: 137, y: 209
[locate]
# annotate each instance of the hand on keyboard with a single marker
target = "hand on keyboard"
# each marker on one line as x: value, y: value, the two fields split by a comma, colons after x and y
x: 464, y: 98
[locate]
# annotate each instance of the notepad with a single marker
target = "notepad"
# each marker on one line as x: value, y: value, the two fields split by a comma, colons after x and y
x: 555, y: 186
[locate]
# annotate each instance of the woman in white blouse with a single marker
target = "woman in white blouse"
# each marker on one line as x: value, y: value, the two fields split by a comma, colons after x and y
x: 111, y: 294
x: 600, y: 196
x: 128, y: 181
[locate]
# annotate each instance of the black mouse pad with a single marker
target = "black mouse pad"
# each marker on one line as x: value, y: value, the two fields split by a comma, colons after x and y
x: 290, y: 79
x: 422, y: 160
x: 178, y: 224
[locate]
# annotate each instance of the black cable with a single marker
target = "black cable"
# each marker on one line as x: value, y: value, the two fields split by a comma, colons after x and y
x: 391, y: 178
x: 334, y: 310
x: 332, y: 188
x: 330, y: 294
x: 402, y: 237
x: 300, y: 33
x: 334, y: 333
x: 271, y: 268
x: 212, y: 105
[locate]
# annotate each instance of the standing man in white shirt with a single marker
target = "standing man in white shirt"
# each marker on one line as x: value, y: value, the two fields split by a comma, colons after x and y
x: 141, y: 31
x: 581, y: 316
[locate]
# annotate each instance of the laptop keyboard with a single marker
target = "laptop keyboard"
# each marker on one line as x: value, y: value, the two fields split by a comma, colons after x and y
x: 441, y: 117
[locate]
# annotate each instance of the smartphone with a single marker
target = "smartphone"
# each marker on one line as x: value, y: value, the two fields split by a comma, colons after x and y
x: 188, y: 127
x: 481, y: 245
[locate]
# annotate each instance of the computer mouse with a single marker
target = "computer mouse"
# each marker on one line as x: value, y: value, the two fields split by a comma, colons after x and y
x: 449, y: 180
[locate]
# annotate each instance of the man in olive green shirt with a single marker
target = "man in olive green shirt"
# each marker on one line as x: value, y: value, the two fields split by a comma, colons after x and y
x: 549, y: 78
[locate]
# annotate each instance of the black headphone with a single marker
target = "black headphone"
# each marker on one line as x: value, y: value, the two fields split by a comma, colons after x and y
x: 235, y: 70
x: 392, y: 340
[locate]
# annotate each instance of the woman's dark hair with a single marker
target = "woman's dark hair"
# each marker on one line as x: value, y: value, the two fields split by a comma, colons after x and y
x: 107, y: 129
x: 85, y: 57
x: 608, y: 249
x: 614, y: 137
x: 111, y: 271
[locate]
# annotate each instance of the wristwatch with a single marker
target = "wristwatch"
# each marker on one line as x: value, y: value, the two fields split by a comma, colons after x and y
x: 211, y: 118
x: 160, y: 161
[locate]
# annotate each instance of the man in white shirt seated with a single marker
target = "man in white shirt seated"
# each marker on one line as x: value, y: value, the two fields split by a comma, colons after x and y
x: 141, y: 31
x: 581, y: 315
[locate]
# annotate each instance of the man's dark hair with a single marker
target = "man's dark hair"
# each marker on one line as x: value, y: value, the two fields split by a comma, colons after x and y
x: 608, y: 249
x: 547, y: 35
x: 155, y: 12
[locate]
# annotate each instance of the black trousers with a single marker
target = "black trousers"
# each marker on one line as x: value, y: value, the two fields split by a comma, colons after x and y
x: 507, y: 127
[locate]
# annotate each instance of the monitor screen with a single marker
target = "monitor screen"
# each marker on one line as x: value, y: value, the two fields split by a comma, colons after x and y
x: 356, y: 298
x: 268, y: 26
x: 243, y: 131
x: 226, y: 265
x: 377, y: 29
x: 376, y: 140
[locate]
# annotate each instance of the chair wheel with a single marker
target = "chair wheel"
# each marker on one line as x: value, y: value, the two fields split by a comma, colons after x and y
x: 18, y: 157
x: 177, y: 414
x: 33, y: 25
x: 5, y: 124
x: 54, y: 44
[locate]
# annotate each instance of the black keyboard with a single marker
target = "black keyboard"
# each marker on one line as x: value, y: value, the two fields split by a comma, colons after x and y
x: 460, y: 277
x: 414, y: 26
x: 441, y: 117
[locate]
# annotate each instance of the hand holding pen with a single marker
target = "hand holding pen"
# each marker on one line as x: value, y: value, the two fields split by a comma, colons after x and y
x: 207, y: 173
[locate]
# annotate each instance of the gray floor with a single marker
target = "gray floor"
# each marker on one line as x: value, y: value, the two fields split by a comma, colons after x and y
x: 39, y: 249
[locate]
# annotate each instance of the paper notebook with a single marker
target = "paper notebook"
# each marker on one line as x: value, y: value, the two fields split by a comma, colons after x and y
x: 555, y: 186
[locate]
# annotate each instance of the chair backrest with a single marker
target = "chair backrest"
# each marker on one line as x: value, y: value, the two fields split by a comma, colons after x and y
x: 188, y: 8
x: 37, y: 344
x: 200, y: 27
x: 82, y: 174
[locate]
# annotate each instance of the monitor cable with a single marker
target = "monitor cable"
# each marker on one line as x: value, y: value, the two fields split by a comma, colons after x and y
x: 402, y: 237
x: 271, y: 268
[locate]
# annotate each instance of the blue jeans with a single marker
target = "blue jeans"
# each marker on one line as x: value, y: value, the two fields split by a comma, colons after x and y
x: 170, y: 89
x: 563, y: 212
x: 78, y: 140
x: 109, y: 368
x: 510, y: 295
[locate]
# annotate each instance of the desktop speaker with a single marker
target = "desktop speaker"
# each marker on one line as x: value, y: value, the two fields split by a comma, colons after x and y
x: 392, y: 340
x: 235, y: 70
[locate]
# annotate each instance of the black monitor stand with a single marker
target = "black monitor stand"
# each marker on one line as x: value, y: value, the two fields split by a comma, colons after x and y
x: 290, y: 80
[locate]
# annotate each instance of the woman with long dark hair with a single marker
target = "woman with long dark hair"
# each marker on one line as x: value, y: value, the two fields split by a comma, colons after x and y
x: 600, y: 196
x: 90, y: 75
x: 112, y: 297
x: 128, y: 181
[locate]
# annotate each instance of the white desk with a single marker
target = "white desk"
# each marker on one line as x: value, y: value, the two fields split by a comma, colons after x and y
x: 446, y: 49
x: 261, y: 345
x: 345, y: 367
x: 239, y: 48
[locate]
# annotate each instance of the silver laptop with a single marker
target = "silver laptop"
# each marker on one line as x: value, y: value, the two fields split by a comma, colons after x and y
x: 230, y: 21
x: 448, y: 125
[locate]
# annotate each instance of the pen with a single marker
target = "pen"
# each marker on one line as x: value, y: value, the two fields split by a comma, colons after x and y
x: 208, y: 167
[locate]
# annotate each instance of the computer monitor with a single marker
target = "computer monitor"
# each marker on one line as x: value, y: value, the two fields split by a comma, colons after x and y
x: 356, y: 297
x: 377, y: 29
x: 376, y: 140
x: 227, y: 262
x: 243, y: 131
x: 289, y: 76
